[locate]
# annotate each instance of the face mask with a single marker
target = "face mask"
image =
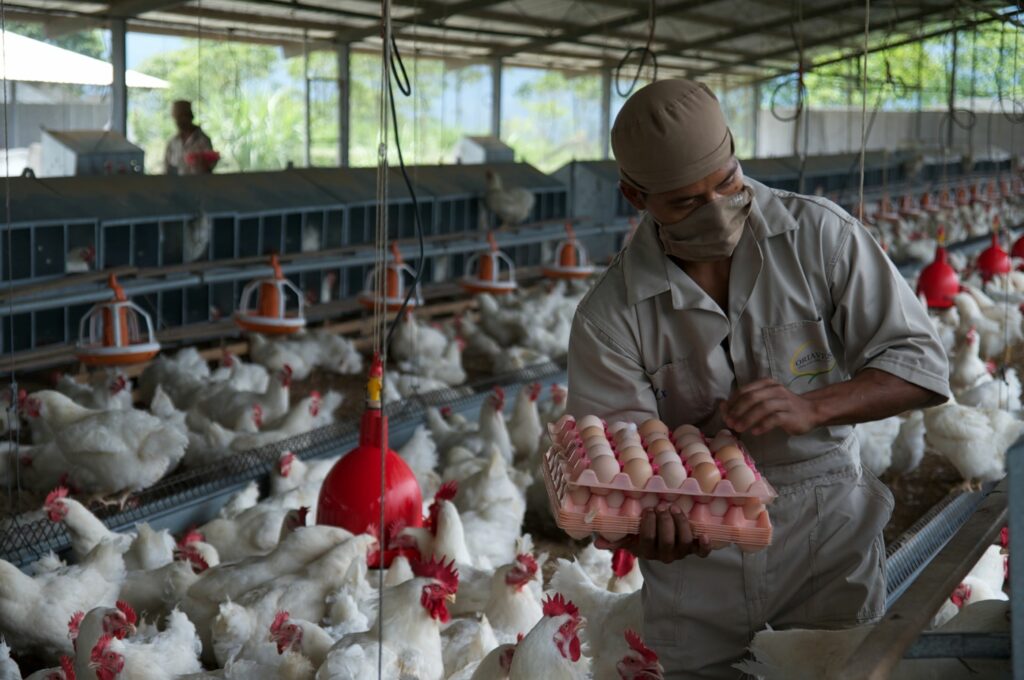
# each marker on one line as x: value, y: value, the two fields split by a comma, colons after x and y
x: 710, y: 232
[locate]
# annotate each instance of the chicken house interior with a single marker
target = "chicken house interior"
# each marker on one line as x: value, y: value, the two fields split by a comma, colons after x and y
x: 509, y: 339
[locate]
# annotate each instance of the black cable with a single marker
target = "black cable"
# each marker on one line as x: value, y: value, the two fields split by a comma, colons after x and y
x: 412, y: 193
x: 404, y: 85
x: 644, y: 52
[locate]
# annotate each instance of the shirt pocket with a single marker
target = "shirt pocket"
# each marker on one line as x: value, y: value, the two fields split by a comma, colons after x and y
x: 679, y: 394
x: 799, y: 355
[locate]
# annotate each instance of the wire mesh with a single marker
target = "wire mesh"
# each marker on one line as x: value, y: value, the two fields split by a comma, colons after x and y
x: 33, y: 536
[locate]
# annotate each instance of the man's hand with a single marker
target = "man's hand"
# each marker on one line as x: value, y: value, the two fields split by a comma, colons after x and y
x: 764, y: 405
x: 665, y: 535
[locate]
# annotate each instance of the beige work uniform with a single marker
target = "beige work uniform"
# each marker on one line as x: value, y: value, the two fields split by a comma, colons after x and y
x: 812, y: 301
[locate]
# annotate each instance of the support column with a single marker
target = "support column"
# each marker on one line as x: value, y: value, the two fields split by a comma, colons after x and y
x: 118, y: 87
x: 306, y: 109
x: 606, y: 112
x: 952, y: 94
x: 344, y: 104
x: 496, y: 98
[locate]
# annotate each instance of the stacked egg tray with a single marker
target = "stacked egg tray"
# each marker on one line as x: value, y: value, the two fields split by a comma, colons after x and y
x: 600, y: 479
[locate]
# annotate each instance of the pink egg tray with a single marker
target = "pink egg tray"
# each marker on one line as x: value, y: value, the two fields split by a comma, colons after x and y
x: 583, y: 505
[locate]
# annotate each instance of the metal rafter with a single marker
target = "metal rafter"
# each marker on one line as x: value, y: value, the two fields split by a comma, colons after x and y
x: 424, y: 16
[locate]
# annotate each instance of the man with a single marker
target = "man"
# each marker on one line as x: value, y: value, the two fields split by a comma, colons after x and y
x: 189, y: 152
x: 777, y: 316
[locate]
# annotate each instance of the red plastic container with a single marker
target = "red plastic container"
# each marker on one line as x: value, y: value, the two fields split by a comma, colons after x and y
x: 350, y: 496
x: 939, y: 282
x: 993, y: 260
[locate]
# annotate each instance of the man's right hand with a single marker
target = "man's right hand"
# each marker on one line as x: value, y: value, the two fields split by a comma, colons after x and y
x: 665, y: 535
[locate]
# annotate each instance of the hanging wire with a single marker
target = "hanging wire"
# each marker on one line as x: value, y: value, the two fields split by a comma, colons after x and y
x: 645, y: 52
x: 864, y: 109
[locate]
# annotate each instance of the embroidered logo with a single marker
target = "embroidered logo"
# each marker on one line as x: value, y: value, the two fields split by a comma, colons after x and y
x: 810, y: 362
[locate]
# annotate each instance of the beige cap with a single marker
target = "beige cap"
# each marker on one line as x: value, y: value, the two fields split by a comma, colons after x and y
x: 670, y: 134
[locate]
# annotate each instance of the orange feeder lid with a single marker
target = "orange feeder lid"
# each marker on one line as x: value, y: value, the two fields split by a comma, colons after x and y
x: 110, y: 334
x: 263, y: 307
x: 938, y: 282
x: 907, y: 207
x: 571, y: 259
x: 395, y: 290
x: 351, y: 493
x: 491, y: 271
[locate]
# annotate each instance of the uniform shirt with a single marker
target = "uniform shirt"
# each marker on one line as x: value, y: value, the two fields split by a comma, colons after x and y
x: 178, y: 149
x: 813, y: 300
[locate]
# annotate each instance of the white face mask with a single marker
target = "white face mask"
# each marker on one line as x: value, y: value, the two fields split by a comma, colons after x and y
x: 710, y: 232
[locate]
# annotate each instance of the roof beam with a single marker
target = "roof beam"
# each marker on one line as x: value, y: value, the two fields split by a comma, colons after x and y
x: 130, y: 8
x: 432, y: 14
x: 573, y: 35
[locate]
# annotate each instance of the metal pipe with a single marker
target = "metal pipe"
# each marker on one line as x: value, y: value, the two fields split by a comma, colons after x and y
x: 118, y: 86
x: 344, y: 104
x: 1015, y: 484
x: 606, y: 112
x: 496, y: 98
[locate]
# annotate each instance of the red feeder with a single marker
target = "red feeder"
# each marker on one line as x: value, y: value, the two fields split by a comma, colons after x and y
x: 490, y: 271
x: 885, y: 212
x: 110, y: 334
x: 993, y: 260
x: 939, y: 282
x: 571, y: 260
x: 269, y: 314
x: 394, y: 283
x: 350, y: 495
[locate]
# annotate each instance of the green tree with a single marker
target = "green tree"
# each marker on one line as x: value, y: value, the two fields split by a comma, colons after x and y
x: 88, y: 42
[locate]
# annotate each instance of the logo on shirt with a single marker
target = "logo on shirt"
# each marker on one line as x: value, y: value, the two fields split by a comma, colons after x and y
x: 810, y: 361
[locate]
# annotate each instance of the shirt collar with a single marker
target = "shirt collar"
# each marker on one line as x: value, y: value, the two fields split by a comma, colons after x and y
x: 646, y: 267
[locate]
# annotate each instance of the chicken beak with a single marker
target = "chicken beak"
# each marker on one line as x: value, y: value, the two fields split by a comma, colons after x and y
x: 131, y: 629
x: 450, y: 597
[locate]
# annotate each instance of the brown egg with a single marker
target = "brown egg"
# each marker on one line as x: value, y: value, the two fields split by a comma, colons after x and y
x: 723, y: 438
x: 620, y: 425
x: 707, y: 476
x: 639, y: 471
x: 631, y: 453
x: 589, y: 421
x: 605, y: 467
x: 696, y: 447
x: 667, y: 457
x: 727, y: 453
x: 673, y: 474
x: 595, y: 441
x: 588, y: 432
x: 688, y: 439
x: 655, y: 437
x: 741, y: 477
x: 653, y: 425
x: 734, y: 462
x: 684, y: 430
x: 698, y: 458
x: 601, y: 449
x: 659, y: 445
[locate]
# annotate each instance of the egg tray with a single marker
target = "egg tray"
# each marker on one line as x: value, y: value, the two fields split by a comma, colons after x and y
x: 576, y: 472
x: 597, y: 516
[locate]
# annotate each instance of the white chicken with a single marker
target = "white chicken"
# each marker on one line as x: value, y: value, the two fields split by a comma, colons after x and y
x: 975, y: 441
x: 306, y: 415
x: 239, y: 375
x: 998, y: 325
x: 552, y: 648
x: 108, y: 451
x: 909, y: 447
x: 416, y: 341
x: 465, y: 643
x: 626, y: 576
x: 413, y: 613
x: 104, y: 390
x: 968, y: 369
x: 876, y: 439
x: 80, y: 260
x: 301, y: 637
x: 513, y: 608
x: 52, y: 597
x: 511, y: 206
x: 172, y: 652
x: 524, y: 426
x: 246, y: 411
x: 492, y: 509
x: 420, y: 454
x: 983, y: 582
x: 1002, y: 392
x: 181, y: 376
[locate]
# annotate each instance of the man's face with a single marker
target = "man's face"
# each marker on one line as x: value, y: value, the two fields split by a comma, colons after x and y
x: 674, y: 206
x: 182, y: 116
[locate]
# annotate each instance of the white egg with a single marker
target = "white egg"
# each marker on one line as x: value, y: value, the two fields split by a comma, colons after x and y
x: 687, y: 440
x: 741, y: 477
x: 696, y: 447
x: 667, y: 457
x: 723, y: 438
x: 605, y: 467
x: 673, y: 473
x: 718, y: 507
x: 631, y: 453
x: 596, y: 450
x: 659, y: 446
x: 589, y: 421
x: 685, y: 430
x: 579, y: 495
x: 620, y: 425
x: 699, y: 458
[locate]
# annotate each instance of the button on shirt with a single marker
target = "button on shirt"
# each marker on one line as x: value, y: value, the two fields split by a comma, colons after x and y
x: 812, y: 301
x: 178, y: 150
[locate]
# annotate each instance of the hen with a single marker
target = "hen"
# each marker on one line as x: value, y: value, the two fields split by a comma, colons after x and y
x: 524, y: 426
x: 512, y: 206
x: 975, y: 441
x: 168, y: 654
x: 105, y: 390
x: 552, y: 648
x: 86, y: 628
x: 492, y: 509
x: 181, y: 376
x: 876, y: 439
x: 234, y: 409
x: 239, y: 375
x: 909, y: 447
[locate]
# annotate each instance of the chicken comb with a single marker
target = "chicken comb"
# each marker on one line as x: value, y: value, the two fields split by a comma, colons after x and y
x: 622, y: 562
x: 227, y: 359
x: 100, y: 648
x: 55, y: 495
x: 447, y: 491
x: 636, y: 643
x: 527, y: 562
x: 315, y: 394
x: 128, y: 611
x: 284, y: 463
x: 447, y: 574
x: 67, y: 665
x: 193, y: 535
x: 1004, y: 537
x: 446, y: 411
x: 280, y: 618
x: 499, y: 392
x: 534, y: 391
x: 75, y: 624
x: 556, y: 605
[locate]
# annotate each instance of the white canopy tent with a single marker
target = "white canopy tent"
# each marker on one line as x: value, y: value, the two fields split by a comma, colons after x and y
x: 28, y: 60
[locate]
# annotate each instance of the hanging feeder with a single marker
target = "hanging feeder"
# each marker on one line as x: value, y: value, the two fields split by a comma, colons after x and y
x: 946, y: 201
x: 927, y: 206
x: 351, y: 493
x: 395, y: 290
x: 110, y: 333
x: 976, y: 196
x: 264, y: 305
x: 938, y: 282
x: 490, y: 271
x: 993, y: 260
x: 571, y: 259
x: 963, y: 196
x: 908, y: 209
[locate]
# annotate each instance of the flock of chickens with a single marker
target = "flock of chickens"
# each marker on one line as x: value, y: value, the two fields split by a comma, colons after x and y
x: 262, y: 592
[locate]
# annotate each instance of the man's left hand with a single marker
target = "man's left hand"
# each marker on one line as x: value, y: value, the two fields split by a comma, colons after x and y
x: 764, y: 405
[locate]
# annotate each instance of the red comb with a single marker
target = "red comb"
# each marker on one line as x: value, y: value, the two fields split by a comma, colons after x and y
x: 534, y: 393
x: 637, y: 645
x: 447, y: 574
x: 447, y: 491
x: 622, y: 562
x: 527, y: 562
x: 67, y: 664
x: 74, y: 624
x: 556, y: 605
x: 101, y: 647
x: 446, y: 411
x: 280, y: 618
x: 128, y: 612
x: 1004, y: 537
x: 56, y: 494
x: 193, y: 535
